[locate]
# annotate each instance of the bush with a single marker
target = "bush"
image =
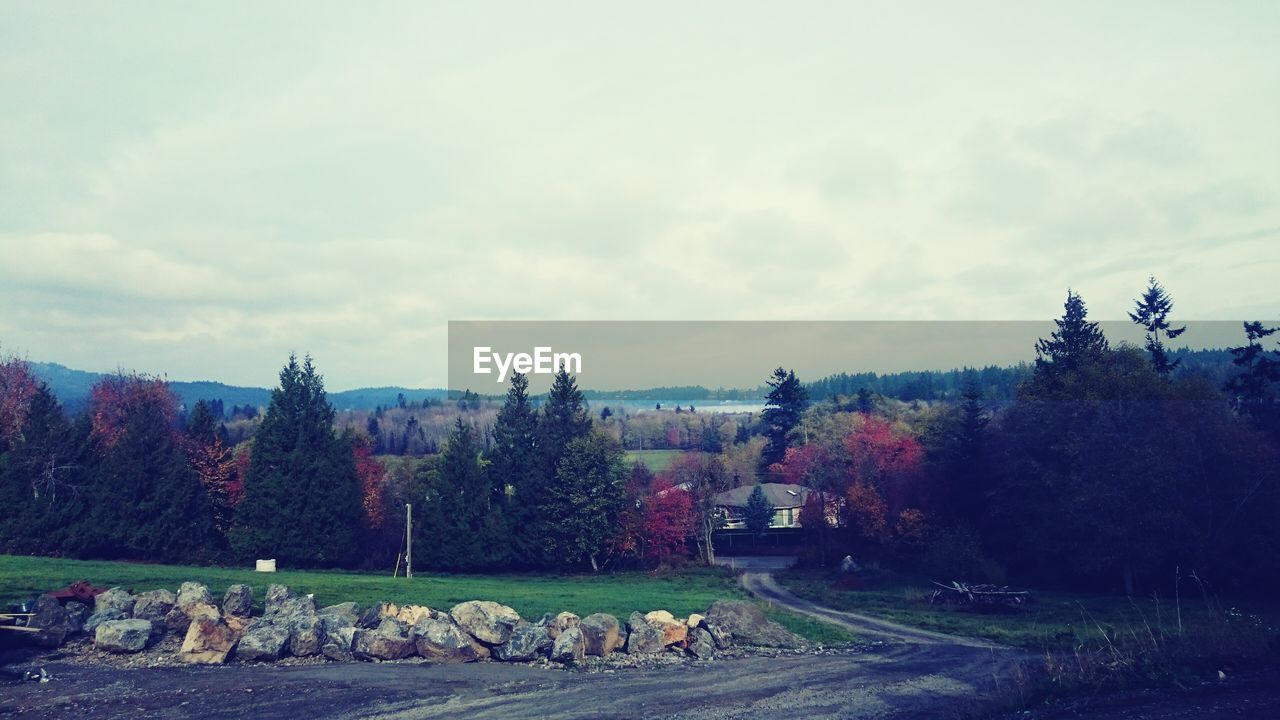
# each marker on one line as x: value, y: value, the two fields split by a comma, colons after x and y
x: 957, y: 554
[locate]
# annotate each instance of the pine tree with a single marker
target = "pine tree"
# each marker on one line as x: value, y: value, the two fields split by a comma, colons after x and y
x: 759, y: 513
x: 563, y: 419
x: 201, y: 424
x: 1252, y: 388
x: 460, y: 520
x: 589, y: 493
x: 784, y: 405
x: 1076, y: 342
x: 1151, y: 311
x: 302, y: 496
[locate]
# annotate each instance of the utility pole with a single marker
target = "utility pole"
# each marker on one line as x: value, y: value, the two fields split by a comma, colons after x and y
x: 408, y: 540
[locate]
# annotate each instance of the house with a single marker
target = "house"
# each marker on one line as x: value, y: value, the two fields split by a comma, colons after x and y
x: 785, y: 499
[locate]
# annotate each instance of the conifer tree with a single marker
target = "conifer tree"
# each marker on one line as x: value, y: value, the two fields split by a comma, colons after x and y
x: 1076, y: 342
x: 563, y: 419
x: 460, y: 520
x: 759, y: 513
x: 511, y: 465
x: 1151, y: 311
x: 302, y: 496
x: 784, y: 405
x: 589, y: 491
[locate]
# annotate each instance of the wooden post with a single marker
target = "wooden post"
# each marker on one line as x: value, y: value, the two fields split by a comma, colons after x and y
x: 408, y: 540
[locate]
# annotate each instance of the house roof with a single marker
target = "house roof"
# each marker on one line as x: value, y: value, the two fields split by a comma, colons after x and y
x: 779, y: 495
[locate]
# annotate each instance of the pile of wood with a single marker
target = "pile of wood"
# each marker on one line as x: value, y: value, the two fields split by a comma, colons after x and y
x: 978, y: 596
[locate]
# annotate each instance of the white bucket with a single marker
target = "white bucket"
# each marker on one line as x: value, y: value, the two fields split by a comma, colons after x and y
x: 266, y: 565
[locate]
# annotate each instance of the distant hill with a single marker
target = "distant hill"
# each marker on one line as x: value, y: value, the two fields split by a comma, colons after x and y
x: 72, y: 388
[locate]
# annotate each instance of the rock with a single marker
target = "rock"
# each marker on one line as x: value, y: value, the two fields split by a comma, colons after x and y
x: 192, y: 593
x: 282, y: 602
x: 154, y: 605
x: 743, y: 623
x: 441, y: 639
x: 370, y: 618
x: 238, y: 601
x: 560, y: 623
x: 848, y: 565
x: 346, y: 614
x: 78, y: 612
x: 209, y: 638
x: 700, y: 644
x: 264, y: 640
x: 276, y: 595
x: 525, y: 643
x: 486, y: 621
x: 601, y: 634
x: 96, y: 619
x: 306, y: 635
x: 337, y: 643
x: 673, y: 631
x: 392, y: 626
x: 411, y: 614
x: 659, y: 616
x: 569, y: 645
x: 122, y: 636
x: 642, y: 637
x: 377, y: 645
x: 176, y: 621
x: 114, y: 600
x: 53, y: 621
x: 693, y: 621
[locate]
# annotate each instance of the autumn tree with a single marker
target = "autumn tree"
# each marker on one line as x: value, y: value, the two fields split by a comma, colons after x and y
x: 703, y: 476
x: 1151, y: 311
x: 302, y: 496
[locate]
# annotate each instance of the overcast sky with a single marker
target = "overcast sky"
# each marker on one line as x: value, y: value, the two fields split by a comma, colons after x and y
x: 196, y: 190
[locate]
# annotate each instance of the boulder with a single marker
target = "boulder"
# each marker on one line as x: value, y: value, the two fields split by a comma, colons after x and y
x: 371, y: 616
x: 486, y: 621
x: 346, y: 614
x: 673, y: 631
x: 337, y: 643
x: 116, y: 600
x: 96, y: 619
x: 154, y: 605
x: 744, y: 623
x: 525, y: 643
x: 78, y: 612
x: 377, y: 645
x: 122, y: 636
x: 700, y: 644
x: 176, y: 621
x: 276, y: 595
x: 659, y: 616
x: 559, y: 623
x: 238, y: 601
x: 335, y: 621
x: 264, y: 640
x: 392, y: 626
x: 694, y: 620
x: 306, y: 635
x: 601, y: 634
x: 643, y: 637
x: 282, y: 602
x: 441, y: 639
x: 411, y: 614
x: 54, y: 622
x: 569, y: 645
x: 209, y: 639
x: 192, y: 593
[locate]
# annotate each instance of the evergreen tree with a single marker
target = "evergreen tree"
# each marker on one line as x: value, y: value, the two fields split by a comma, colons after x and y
x: 784, y: 405
x: 302, y: 496
x: 759, y: 513
x: 40, y: 472
x: 512, y: 465
x: 1076, y: 342
x: 1151, y: 311
x: 201, y: 424
x: 461, y: 523
x: 589, y: 492
x: 1259, y: 369
x: 563, y: 419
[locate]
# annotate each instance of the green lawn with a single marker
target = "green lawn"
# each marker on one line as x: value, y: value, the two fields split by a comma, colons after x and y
x: 1057, y: 621
x: 681, y: 592
x: 655, y: 460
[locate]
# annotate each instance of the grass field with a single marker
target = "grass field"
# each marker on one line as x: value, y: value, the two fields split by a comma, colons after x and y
x: 681, y: 592
x: 655, y: 460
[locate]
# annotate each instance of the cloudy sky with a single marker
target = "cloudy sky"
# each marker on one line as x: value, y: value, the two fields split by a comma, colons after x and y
x: 197, y: 189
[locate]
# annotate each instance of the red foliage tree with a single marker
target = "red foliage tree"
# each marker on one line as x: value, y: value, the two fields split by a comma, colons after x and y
x: 883, y: 459
x: 17, y: 388
x: 218, y: 469
x: 668, y: 522
x: 373, y: 477
x: 806, y: 465
x: 117, y: 396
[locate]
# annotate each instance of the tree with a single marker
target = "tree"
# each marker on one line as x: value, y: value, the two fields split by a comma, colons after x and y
x: 703, y: 476
x: 563, y: 420
x: 1251, y: 388
x: 759, y: 512
x: 459, y: 519
x: 41, y: 466
x: 668, y: 522
x: 1077, y: 341
x: 512, y: 463
x: 784, y: 405
x: 1151, y: 311
x: 589, y: 492
x: 303, y: 502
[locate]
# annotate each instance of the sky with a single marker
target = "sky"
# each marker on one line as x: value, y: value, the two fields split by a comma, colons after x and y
x: 198, y: 189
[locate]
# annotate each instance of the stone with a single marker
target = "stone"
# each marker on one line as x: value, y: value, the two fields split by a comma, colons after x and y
x: 673, y: 631
x: 601, y: 634
x: 276, y: 595
x: 525, y: 643
x: 264, y: 640
x: 238, y: 601
x: 176, y: 621
x: 701, y: 645
x: 643, y: 638
x: 569, y: 645
x: 744, y: 623
x: 411, y: 614
x: 78, y: 612
x: 345, y: 614
x: 209, y: 639
x: 377, y: 645
x: 337, y: 643
x: 486, y: 621
x: 306, y: 635
x: 53, y: 621
x: 122, y: 636
x: 442, y: 640
x: 96, y: 619
x: 282, y: 602
x: 560, y: 623
x: 392, y: 626
x: 154, y: 605
x: 114, y: 600
x: 371, y: 616
x: 659, y: 616
x: 192, y: 593
x: 693, y: 621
